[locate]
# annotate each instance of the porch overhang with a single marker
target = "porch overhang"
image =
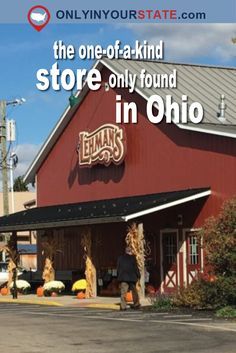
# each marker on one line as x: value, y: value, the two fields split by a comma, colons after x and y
x: 171, y: 203
x: 98, y: 212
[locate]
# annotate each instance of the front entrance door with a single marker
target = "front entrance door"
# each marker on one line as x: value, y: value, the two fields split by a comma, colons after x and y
x: 169, y: 241
x: 193, y: 256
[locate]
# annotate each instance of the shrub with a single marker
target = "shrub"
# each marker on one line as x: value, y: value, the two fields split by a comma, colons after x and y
x: 160, y: 301
x: 219, y: 240
x: 219, y: 243
x: 226, y: 290
x: 190, y: 296
x: 227, y: 312
x: 203, y: 294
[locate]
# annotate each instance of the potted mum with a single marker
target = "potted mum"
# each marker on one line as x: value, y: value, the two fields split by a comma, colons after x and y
x: 79, y: 285
x: 55, y: 287
x: 79, y: 288
x: 22, y: 286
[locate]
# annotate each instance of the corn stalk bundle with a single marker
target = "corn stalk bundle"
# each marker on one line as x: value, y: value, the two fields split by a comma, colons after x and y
x: 135, y: 241
x: 49, y: 250
x: 90, y: 275
x: 48, y: 271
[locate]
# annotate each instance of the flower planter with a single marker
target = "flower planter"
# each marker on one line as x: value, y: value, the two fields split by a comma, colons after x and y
x: 53, y: 288
x: 22, y: 286
x: 79, y: 285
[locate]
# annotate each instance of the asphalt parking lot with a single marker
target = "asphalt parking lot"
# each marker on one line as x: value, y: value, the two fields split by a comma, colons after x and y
x: 40, y: 329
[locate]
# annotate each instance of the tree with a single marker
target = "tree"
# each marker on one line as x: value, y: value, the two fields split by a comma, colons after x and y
x: 219, y: 243
x: 20, y: 185
x: 219, y: 240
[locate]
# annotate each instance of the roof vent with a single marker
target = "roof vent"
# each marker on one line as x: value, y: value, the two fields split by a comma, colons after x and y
x: 222, y: 106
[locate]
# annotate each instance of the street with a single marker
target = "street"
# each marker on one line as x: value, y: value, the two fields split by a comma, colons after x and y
x: 41, y: 329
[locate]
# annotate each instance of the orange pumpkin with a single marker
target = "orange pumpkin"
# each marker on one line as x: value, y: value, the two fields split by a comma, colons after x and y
x: 129, y: 297
x: 4, y: 291
x: 40, y: 291
x: 150, y: 289
x: 212, y: 278
x: 81, y: 295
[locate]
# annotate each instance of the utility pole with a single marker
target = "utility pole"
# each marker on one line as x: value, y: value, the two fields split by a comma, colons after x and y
x: 12, y: 241
x: 3, y: 155
x: 3, y: 136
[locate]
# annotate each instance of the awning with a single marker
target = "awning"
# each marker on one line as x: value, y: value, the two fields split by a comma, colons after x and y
x: 97, y: 212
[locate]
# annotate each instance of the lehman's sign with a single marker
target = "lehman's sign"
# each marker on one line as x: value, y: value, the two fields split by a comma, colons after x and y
x: 104, y: 146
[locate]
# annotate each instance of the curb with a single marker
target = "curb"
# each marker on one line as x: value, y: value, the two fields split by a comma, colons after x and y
x: 31, y: 302
x: 103, y: 306
x: 54, y: 303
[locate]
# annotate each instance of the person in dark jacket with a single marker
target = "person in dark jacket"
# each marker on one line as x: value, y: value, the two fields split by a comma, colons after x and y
x: 128, y: 274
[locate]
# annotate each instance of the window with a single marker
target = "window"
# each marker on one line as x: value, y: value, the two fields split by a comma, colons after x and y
x: 170, y: 248
x: 193, y: 250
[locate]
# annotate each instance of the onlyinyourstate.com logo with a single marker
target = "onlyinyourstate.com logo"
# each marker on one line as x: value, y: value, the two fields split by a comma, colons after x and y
x: 38, y: 17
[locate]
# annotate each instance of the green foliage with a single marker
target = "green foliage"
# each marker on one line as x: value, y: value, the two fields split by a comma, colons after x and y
x: 191, y: 296
x: 160, y: 301
x: 226, y: 312
x: 20, y: 185
x: 203, y: 294
x: 219, y: 240
x: 219, y: 243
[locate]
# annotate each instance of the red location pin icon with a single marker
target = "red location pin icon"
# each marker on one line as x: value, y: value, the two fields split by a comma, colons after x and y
x: 38, y: 17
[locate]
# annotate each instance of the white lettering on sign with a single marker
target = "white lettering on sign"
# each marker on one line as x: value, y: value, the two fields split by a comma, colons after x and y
x: 105, y: 145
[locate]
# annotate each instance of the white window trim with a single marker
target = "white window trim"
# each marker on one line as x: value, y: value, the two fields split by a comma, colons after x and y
x: 166, y: 231
x: 185, y: 259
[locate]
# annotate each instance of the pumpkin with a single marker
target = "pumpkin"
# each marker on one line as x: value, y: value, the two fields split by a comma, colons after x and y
x: 4, y: 291
x: 81, y: 295
x: 150, y: 289
x: 129, y: 297
x: 212, y: 278
x: 40, y: 292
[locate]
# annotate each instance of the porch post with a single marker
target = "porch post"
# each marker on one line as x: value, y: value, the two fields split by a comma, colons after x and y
x: 90, y: 270
x: 142, y: 271
x: 94, y: 281
x: 13, y: 262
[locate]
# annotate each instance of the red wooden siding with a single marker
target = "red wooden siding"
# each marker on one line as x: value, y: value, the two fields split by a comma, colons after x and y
x: 159, y: 158
x: 108, y: 242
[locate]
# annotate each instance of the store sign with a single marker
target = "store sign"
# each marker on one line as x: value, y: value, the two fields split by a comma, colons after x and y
x: 105, y: 145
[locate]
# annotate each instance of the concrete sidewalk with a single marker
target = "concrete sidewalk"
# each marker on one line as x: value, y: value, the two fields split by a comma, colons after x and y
x: 68, y: 301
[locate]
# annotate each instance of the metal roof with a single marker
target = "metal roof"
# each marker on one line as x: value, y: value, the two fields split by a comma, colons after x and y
x: 200, y: 83
x: 215, y: 129
x: 97, y: 212
x: 203, y: 84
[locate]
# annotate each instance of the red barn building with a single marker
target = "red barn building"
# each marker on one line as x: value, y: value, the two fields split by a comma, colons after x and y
x: 168, y: 178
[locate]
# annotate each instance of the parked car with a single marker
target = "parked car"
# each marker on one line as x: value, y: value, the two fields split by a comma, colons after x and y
x: 4, y: 273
